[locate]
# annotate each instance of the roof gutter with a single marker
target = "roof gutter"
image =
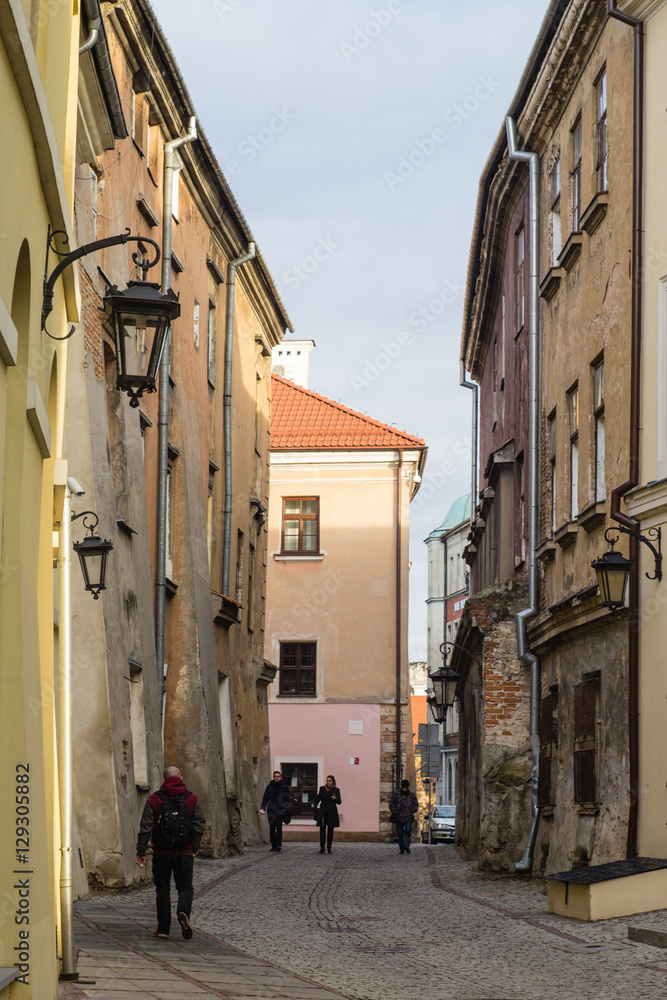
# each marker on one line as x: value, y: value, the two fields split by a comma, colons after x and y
x: 97, y: 43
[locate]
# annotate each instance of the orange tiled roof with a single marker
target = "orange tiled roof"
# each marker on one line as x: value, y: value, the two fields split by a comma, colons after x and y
x: 303, y: 419
x: 418, y: 709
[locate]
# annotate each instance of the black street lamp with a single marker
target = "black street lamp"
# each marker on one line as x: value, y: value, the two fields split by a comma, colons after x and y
x: 141, y: 317
x: 92, y: 553
x: 612, y: 568
x: 444, y: 683
x: 439, y: 712
x: 141, y: 314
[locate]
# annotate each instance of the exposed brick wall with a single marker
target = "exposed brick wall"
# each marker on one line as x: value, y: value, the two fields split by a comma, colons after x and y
x: 91, y: 304
x: 388, y: 757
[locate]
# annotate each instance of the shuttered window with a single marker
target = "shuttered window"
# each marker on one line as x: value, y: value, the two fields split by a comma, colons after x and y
x: 585, y: 749
x: 548, y: 747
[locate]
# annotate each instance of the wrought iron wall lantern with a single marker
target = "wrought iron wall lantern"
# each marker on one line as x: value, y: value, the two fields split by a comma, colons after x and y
x: 92, y: 552
x: 439, y: 712
x: 141, y: 314
x: 612, y: 569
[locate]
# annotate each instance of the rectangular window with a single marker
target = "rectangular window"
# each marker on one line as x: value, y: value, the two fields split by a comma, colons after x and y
x: 520, y: 494
x: 573, y: 420
x: 301, y: 525
x: 169, y: 560
x: 585, y: 752
x: 238, y: 596
x: 211, y: 342
x: 298, y: 665
x: 598, y: 412
x: 548, y: 746
x: 520, y: 279
x: 552, y: 463
x: 602, y: 133
x: 576, y: 177
x: 556, y: 241
x: 302, y: 781
x: 251, y: 584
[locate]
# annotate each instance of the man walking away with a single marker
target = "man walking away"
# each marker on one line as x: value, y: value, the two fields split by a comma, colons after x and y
x: 173, y: 820
x: 403, y: 805
x: 277, y: 804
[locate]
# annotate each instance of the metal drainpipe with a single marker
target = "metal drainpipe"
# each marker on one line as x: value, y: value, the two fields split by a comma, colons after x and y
x: 467, y: 384
x: 227, y: 415
x: 94, y: 17
x: 65, y: 741
x: 163, y: 407
x: 635, y: 416
x: 533, y: 160
x: 399, y: 630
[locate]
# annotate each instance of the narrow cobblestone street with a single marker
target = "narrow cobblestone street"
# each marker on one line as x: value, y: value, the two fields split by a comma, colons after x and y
x: 365, y: 924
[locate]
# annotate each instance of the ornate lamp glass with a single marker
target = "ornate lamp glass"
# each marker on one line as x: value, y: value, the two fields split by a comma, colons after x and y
x: 444, y: 682
x: 612, y: 570
x: 141, y: 316
x: 92, y: 553
x: 438, y: 711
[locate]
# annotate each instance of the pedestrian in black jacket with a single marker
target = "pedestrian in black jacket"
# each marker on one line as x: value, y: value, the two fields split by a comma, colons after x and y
x: 403, y: 805
x: 326, y: 811
x: 171, y: 855
x: 277, y: 803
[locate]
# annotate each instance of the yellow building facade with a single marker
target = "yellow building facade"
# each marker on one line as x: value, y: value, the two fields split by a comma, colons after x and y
x: 39, y: 122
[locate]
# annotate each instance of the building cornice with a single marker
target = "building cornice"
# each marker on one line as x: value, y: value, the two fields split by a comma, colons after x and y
x: 642, y: 9
x: 646, y: 502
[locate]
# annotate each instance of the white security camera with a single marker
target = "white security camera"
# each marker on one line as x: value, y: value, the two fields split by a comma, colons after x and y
x: 75, y: 488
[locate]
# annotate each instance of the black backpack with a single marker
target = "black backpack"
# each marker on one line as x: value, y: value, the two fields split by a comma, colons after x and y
x: 174, y: 824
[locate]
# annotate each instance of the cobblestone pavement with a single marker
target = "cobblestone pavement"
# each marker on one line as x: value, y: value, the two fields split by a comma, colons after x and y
x: 364, y: 923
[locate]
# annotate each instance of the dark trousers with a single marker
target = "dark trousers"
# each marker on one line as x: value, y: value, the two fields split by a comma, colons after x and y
x: 327, y: 831
x: 164, y: 865
x: 404, y: 831
x: 276, y: 831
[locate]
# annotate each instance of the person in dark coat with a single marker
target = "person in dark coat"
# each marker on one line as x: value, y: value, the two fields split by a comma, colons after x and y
x: 326, y: 811
x: 277, y: 803
x: 403, y: 805
x: 167, y: 858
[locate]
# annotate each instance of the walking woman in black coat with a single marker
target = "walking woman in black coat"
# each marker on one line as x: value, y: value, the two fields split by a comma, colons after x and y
x: 326, y: 811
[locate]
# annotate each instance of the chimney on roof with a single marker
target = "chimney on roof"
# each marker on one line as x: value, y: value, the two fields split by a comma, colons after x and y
x: 290, y: 359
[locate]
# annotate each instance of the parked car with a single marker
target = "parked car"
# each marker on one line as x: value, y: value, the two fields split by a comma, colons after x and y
x: 441, y: 822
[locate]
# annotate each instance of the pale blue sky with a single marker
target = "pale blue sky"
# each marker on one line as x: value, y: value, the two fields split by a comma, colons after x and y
x: 363, y: 129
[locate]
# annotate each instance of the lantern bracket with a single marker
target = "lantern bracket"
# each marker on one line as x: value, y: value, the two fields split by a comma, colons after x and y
x: 83, y: 251
x: 457, y: 645
x: 651, y: 533
x: 84, y: 514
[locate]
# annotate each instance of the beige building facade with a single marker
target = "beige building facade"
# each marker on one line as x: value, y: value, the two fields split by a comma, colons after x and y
x: 340, y: 488
x: 212, y: 719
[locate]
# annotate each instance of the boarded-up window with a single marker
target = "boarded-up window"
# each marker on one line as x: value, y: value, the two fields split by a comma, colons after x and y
x: 548, y: 746
x: 585, y: 752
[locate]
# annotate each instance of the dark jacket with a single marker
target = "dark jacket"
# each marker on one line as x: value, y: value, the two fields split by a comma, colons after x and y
x: 403, y: 805
x: 326, y: 806
x: 277, y: 801
x: 148, y: 826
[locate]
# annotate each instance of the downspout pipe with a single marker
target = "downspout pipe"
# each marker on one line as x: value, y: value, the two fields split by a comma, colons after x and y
x: 635, y: 414
x: 468, y: 384
x: 94, y: 18
x: 163, y: 406
x: 522, y: 617
x: 399, y: 613
x: 227, y: 415
x: 65, y: 742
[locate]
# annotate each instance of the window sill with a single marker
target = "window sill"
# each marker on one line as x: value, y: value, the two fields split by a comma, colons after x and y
x: 567, y: 534
x: 170, y: 587
x: 226, y: 612
x: 546, y: 552
x: 593, y: 516
x: 291, y: 697
x: 570, y: 252
x: 595, y: 212
x: 298, y: 557
x: 550, y: 284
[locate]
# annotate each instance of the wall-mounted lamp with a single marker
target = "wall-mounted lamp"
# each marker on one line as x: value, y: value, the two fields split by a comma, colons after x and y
x: 141, y: 315
x: 612, y: 569
x: 92, y: 553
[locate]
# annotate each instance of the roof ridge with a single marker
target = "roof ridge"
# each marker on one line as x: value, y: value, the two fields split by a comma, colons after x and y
x: 419, y: 442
